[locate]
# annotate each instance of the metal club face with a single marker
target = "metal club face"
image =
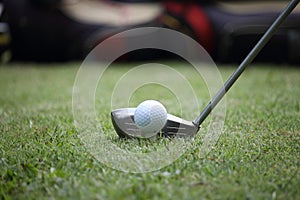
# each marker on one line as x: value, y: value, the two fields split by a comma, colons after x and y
x: 125, y: 127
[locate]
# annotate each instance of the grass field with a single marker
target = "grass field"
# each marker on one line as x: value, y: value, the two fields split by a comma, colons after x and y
x: 256, y: 157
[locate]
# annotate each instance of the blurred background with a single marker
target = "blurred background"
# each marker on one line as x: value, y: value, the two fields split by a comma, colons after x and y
x: 67, y: 30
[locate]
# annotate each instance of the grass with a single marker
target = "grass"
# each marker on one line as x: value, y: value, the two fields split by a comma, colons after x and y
x: 256, y: 157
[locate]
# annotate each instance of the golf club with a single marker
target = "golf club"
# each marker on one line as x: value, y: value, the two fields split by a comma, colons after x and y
x: 123, y: 120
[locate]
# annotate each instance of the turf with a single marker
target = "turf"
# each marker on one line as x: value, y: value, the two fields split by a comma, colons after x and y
x: 256, y: 157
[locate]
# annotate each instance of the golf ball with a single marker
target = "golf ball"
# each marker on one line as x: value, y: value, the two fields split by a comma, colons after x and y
x: 150, y: 117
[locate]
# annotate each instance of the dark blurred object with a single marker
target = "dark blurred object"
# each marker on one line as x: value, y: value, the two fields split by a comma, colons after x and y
x: 46, y: 3
x: 64, y: 30
x: 239, y: 25
x: 42, y: 31
x: 4, y: 37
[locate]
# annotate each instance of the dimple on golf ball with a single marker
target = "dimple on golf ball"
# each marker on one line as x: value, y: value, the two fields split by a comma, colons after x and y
x: 150, y: 117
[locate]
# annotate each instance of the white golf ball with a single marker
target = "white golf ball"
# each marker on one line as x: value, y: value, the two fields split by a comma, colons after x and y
x: 150, y: 117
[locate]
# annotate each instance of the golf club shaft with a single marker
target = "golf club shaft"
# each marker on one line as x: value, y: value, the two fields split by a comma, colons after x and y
x: 250, y: 57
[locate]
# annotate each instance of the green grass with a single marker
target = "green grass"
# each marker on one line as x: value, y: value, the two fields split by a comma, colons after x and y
x: 41, y: 157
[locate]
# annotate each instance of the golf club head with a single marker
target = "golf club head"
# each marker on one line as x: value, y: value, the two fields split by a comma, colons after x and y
x: 123, y: 122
